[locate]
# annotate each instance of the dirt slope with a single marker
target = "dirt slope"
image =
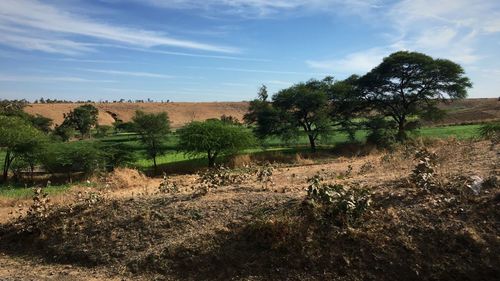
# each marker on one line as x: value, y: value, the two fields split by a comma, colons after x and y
x: 242, y: 232
x: 179, y: 113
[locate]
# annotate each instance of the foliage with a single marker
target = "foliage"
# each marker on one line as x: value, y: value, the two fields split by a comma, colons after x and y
x: 410, y: 84
x: 153, y: 128
x: 123, y: 127
x: 82, y: 118
x: 218, y: 176
x: 215, y: 138
x: 21, y: 140
x: 423, y: 175
x: 491, y: 131
x: 380, y: 132
x: 116, y: 154
x: 64, y: 132
x: 343, y: 206
x: 103, y: 131
x: 68, y: 158
x: 42, y: 123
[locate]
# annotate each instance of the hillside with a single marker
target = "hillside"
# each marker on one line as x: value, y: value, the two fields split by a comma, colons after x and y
x: 466, y: 111
x: 179, y: 113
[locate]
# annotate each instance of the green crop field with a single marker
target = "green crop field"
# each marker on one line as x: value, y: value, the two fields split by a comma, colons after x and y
x: 274, y: 143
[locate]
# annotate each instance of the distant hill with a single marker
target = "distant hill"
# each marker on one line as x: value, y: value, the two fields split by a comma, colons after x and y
x: 180, y: 113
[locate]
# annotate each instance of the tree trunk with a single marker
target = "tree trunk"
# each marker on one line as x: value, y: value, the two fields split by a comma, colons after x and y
x: 401, y: 135
x: 6, y: 166
x: 312, y: 142
x: 211, y: 161
x: 155, y: 166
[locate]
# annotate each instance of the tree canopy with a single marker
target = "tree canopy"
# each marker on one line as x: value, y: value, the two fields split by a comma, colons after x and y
x: 20, y: 140
x: 214, y: 138
x: 409, y: 84
x: 82, y: 118
x: 153, y: 129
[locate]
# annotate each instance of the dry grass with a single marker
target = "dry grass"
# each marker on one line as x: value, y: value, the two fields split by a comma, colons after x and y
x: 241, y: 232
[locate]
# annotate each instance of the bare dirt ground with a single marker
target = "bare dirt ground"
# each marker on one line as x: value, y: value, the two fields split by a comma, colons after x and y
x: 180, y: 113
x: 245, y: 232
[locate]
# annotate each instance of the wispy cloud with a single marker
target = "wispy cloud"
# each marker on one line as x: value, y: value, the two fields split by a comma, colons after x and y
x: 357, y: 62
x: 448, y: 29
x: 182, y: 54
x: 129, y: 73
x: 27, y: 78
x: 263, y: 8
x: 19, y: 19
x: 257, y: 70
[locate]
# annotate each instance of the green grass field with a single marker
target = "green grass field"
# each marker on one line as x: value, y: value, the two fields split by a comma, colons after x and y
x: 21, y: 192
x: 132, y: 143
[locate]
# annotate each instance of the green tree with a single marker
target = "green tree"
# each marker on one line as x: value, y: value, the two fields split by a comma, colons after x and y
x: 20, y: 140
x: 303, y: 106
x: 410, y: 84
x: 153, y: 129
x: 41, y: 122
x: 214, y: 138
x: 82, y: 118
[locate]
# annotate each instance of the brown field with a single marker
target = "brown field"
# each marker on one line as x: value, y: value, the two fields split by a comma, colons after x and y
x: 245, y: 232
x: 461, y: 112
x: 179, y: 113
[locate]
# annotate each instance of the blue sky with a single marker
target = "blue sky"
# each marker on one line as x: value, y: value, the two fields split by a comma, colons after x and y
x: 223, y: 50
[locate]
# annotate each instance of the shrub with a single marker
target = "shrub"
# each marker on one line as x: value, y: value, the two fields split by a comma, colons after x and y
x: 37, y: 212
x: 265, y: 175
x: 423, y: 174
x: 217, y: 177
x: 336, y: 203
x: 491, y: 131
x: 69, y: 158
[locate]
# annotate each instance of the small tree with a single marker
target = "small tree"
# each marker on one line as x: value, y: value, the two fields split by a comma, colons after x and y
x: 410, y: 84
x: 153, y: 129
x: 82, y: 118
x: 214, y: 138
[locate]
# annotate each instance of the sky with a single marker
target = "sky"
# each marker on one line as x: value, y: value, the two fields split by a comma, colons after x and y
x: 224, y: 50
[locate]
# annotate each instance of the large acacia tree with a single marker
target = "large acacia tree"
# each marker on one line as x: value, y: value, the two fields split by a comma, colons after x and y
x: 410, y: 84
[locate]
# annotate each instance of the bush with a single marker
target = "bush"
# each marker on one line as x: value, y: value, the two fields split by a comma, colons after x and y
x: 491, y: 131
x: 423, y: 174
x: 336, y: 203
x: 381, y: 133
x: 73, y: 157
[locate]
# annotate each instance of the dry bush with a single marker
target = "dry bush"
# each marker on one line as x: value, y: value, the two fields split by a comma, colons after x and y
x: 336, y: 204
x: 218, y: 177
x: 423, y: 175
x: 167, y: 186
x: 122, y: 178
x: 367, y: 167
x: 265, y: 175
x: 38, y: 211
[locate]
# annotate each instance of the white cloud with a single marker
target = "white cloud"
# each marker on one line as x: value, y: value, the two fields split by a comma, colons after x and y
x: 357, y: 62
x: 27, y: 78
x: 19, y: 19
x: 451, y: 29
x: 263, y: 8
x: 130, y: 73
